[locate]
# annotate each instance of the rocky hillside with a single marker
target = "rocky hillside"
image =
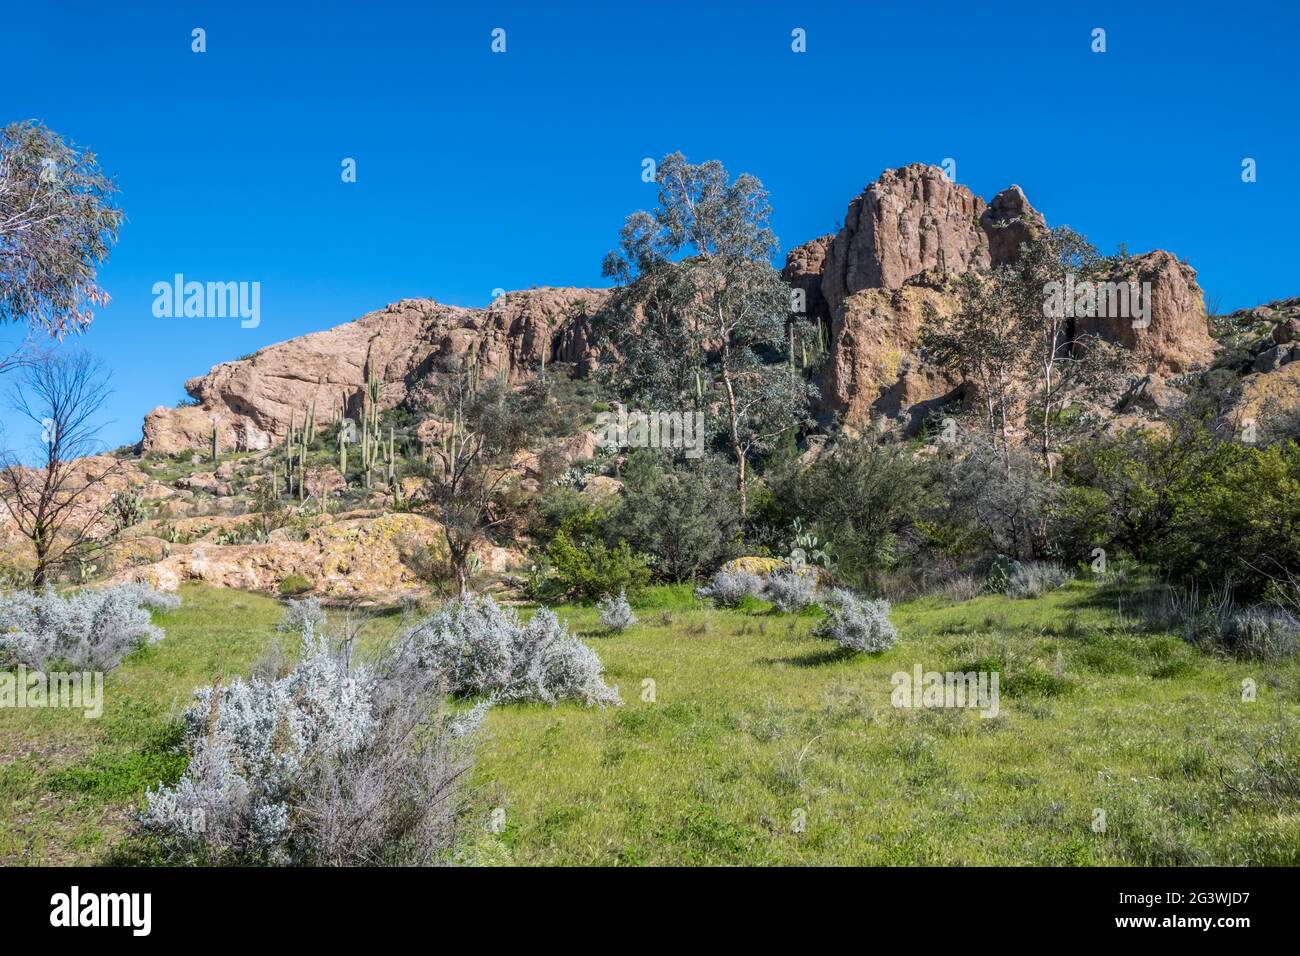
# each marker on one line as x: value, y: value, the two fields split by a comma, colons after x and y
x: 903, y: 240
x: 407, y: 345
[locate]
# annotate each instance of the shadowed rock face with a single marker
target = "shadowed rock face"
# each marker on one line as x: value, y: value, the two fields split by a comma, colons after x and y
x: 803, y: 270
x: 252, y: 401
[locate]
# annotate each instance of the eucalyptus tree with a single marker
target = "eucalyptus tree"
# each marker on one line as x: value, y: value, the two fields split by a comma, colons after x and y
x: 57, y: 225
x: 700, y: 318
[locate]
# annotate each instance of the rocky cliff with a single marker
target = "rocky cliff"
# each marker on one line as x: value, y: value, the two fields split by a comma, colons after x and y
x: 406, y: 345
x: 870, y: 283
x: 902, y: 240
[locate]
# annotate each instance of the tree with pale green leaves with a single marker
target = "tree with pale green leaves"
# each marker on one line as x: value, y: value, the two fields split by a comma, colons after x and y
x: 700, y: 319
x: 58, y: 222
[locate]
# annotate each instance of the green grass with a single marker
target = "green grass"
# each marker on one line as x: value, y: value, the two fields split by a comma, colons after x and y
x: 753, y: 727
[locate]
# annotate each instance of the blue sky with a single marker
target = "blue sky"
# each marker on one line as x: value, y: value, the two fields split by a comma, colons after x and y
x: 479, y: 170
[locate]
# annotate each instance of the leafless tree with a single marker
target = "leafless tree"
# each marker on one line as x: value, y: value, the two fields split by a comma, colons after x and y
x: 61, y: 393
x: 470, y: 473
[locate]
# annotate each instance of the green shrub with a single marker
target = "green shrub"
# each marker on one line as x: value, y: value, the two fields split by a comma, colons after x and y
x: 685, y: 518
x: 591, y: 570
x: 294, y: 584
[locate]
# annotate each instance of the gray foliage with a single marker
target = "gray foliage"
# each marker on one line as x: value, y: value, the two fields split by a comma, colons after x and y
x: 300, y: 614
x: 332, y: 764
x: 729, y: 588
x: 616, y: 613
x: 484, y: 648
x: 855, y: 623
x: 86, y: 630
x: 1263, y: 633
x: 1033, y: 579
x: 791, y: 591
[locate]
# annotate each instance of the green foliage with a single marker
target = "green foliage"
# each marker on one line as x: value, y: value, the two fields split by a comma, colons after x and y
x: 685, y: 517
x: 863, y: 498
x: 294, y: 584
x: 700, y: 317
x: 590, y: 570
x: 126, y: 509
x: 1194, y: 505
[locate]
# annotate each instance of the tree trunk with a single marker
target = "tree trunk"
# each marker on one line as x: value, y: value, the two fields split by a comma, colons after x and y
x: 734, y: 424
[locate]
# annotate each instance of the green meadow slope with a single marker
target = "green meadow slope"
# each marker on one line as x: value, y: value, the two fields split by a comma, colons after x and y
x: 755, y: 743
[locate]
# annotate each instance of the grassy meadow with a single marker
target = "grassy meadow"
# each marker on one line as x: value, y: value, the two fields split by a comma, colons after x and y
x: 756, y: 743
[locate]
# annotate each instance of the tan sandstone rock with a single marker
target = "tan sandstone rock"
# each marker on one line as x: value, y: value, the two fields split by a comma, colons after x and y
x: 1178, y: 336
x: 252, y: 401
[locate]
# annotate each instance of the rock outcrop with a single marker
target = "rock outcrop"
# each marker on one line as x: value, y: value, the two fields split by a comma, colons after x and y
x: 870, y: 283
x: 1175, y: 336
x: 1008, y: 222
x: 909, y: 220
x: 252, y: 401
x: 803, y: 271
x: 901, y: 238
x: 873, y: 370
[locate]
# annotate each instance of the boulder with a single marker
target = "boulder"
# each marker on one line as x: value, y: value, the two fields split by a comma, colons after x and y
x: 1286, y: 331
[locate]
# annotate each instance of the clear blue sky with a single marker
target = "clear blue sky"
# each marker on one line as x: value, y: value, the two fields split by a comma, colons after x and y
x: 478, y: 171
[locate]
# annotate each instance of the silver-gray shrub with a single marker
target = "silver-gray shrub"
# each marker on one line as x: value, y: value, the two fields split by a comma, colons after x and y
x: 336, y: 763
x: 86, y: 630
x: 615, y: 612
x: 730, y: 587
x: 856, y: 624
x: 791, y: 591
x: 483, y: 648
x: 1035, y: 578
x: 299, y: 614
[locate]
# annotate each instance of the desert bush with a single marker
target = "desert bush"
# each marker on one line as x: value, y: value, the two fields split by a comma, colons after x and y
x: 685, y: 518
x: 1033, y: 579
x: 1196, y: 506
x: 294, y: 584
x: 590, y: 569
x: 729, y: 588
x: 484, y: 648
x: 615, y: 613
x: 790, y: 591
x: 87, y: 630
x: 990, y: 503
x: 1199, y: 618
x: 1262, y: 633
x: 332, y: 764
x: 300, y: 615
x: 863, y: 497
x: 856, y: 624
